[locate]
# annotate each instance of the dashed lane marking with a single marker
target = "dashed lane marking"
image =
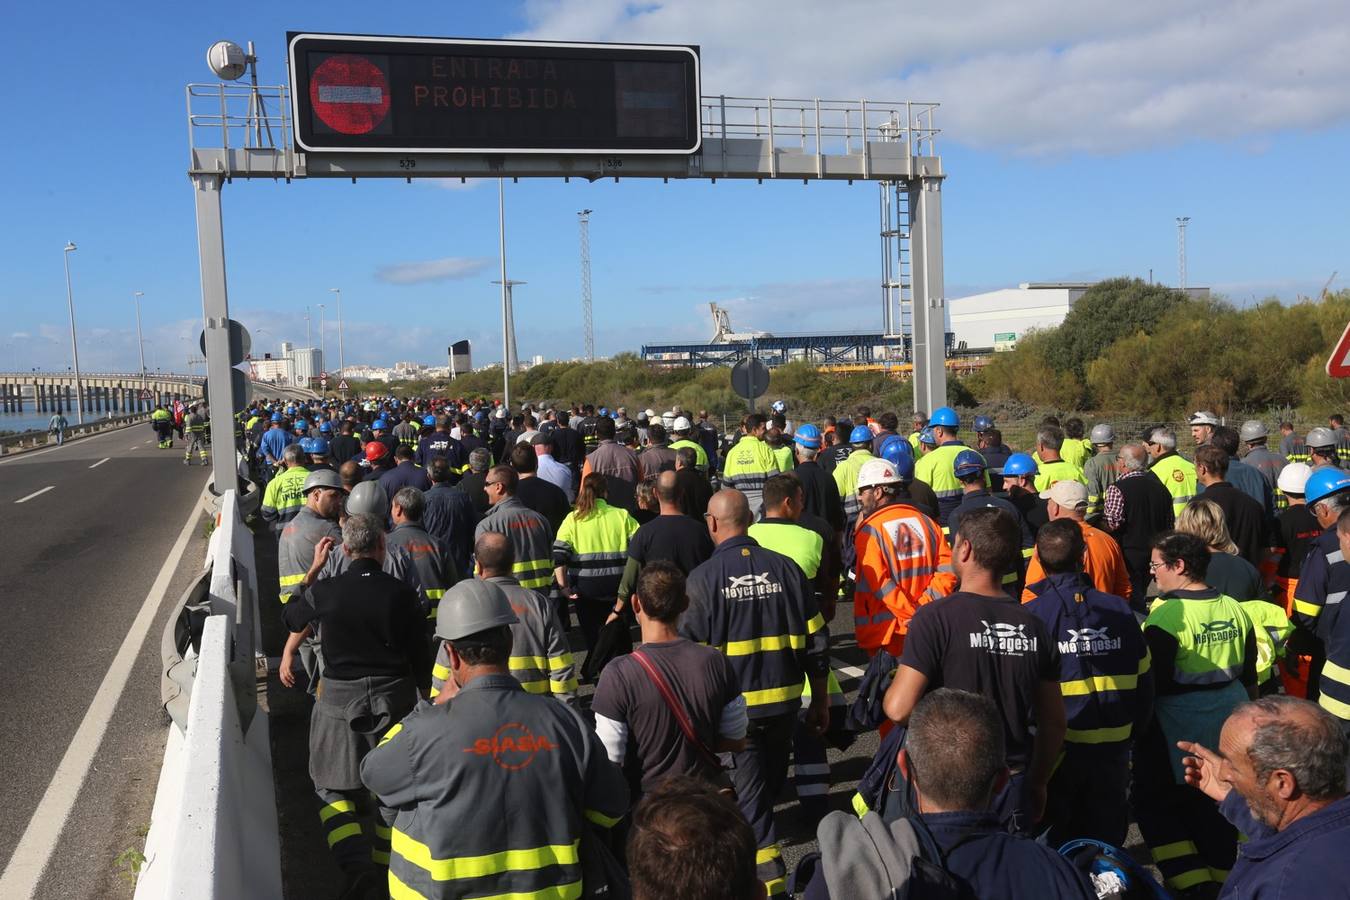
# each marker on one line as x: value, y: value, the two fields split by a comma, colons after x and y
x: 100, y: 462
x: 21, y: 877
x: 36, y: 494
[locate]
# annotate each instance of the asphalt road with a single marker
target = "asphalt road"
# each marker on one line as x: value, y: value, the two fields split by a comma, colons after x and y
x: 87, y: 528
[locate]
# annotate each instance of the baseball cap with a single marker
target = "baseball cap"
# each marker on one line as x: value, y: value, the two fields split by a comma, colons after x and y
x: 1068, y: 494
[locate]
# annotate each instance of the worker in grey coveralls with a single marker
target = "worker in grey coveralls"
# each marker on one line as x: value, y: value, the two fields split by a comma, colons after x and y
x: 375, y: 660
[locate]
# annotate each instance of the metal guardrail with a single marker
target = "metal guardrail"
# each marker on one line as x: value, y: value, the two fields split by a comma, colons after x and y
x: 28, y: 440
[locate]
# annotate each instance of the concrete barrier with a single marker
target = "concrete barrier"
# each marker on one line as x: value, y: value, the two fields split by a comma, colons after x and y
x: 213, y: 831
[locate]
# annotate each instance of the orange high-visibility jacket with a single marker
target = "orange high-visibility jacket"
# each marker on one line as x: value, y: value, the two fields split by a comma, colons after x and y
x: 903, y: 562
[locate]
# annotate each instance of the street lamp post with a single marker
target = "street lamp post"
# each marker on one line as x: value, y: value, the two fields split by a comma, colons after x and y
x: 321, y: 359
x: 74, y: 347
x: 140, y: 340
x: 342, y: 362
x: 506, y: 295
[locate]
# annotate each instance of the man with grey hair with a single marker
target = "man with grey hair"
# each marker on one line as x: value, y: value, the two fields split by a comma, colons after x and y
x: 435, y: 569
x: 1176, y: 473
x: 954, y: 762
x: 376, y: 658
x: 1134, y: 509
x: 283, y: 496
x: 1279, y: 778
x: 473, y: 481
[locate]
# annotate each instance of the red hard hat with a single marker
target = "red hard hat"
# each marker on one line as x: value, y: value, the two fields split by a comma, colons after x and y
x: 375, y: 450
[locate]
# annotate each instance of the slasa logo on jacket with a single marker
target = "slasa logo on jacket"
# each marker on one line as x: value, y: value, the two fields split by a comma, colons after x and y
x: 1002, y: 637
x: 512, y: 746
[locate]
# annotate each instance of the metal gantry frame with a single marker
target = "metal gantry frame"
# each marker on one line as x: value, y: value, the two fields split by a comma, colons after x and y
x: 771, y: 138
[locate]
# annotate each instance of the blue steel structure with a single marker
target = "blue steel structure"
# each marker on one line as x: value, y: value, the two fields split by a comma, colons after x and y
x: 818, y: 349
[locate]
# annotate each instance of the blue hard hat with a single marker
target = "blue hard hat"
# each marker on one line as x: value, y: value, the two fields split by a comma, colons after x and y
x: 983, y: 423
x: 325, y: 426
x: 276, y: 417
x: 968, y: 463
x: 379, y: 424
x: 317, y: 446
x: 860, y: 434
x: 926, y: 436
x: 896, y: 448
x: 808, y: 436
x: 904, y: 466
x: 604, y: 411
x: 429, y: 421
x: 1020, y: 464
x: 307, y: 445
x: 946, y: 417
x: 1325, y: 482
x: 481, y: 417
x: 301, y: 425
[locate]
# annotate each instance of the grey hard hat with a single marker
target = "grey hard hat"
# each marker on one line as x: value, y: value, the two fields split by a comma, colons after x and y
x: 1203, y: 417
x: 472, y: 606
x: 1253, y: 429
x: 1321, y: 437
x: 1102, y: 434
x: 322, y: 478
x: 368, y: 497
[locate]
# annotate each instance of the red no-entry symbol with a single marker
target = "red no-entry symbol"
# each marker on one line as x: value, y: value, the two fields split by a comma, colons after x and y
x: 349, y: 93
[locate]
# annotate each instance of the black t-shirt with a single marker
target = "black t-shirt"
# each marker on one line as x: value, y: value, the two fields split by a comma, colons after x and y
x: 990, y: 646
x: 701, y: 679
x: 681, y: 540
x: 343, y: 447
x: 1297, y: 530
x: 545, y: 498
x: 370, y: 622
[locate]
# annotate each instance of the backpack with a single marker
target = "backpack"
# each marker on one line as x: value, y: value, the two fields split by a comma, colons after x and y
x: 870, y: 859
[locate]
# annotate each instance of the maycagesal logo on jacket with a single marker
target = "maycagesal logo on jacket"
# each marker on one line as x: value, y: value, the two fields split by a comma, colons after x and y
x: 1004, y: 638
x: 750, y: 587
x: 1089, y: 642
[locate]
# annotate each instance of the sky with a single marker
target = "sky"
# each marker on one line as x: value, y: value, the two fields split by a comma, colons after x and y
x: 1073, y: 135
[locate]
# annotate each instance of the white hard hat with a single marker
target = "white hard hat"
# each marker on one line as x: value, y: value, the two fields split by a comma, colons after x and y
x: 1203, y: 417
x: 877, y: 471
x: 651, y: 413
x: 681, y: 424
x: 1293, y: 478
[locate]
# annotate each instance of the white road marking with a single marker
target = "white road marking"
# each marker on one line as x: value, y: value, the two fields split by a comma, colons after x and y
x: 846, y: 670
x: 36, y: 494
x: 100, y: 462
x: 24, y: 872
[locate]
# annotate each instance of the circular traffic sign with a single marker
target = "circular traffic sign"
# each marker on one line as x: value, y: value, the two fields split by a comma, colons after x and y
x: 349, y: 93
x: 749, y: 378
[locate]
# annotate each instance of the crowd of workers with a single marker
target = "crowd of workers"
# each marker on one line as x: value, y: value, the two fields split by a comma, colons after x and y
x: 1093, y: 631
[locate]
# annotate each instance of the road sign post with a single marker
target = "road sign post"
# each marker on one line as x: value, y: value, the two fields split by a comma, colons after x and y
x: 750, y: 380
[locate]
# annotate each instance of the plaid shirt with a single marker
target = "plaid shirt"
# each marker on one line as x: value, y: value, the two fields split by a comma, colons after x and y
x: 1113, y: 504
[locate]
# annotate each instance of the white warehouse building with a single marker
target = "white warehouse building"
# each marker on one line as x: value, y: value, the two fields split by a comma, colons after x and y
x: 999, y: 318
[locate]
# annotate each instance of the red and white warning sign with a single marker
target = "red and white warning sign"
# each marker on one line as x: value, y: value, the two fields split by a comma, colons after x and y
x: 1338, y: 366
x: 350, y: 94
x: 342, y: 385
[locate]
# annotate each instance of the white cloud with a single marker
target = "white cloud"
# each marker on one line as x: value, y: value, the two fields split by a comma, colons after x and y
x: 446, y: 269
x: 1037, y: 77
